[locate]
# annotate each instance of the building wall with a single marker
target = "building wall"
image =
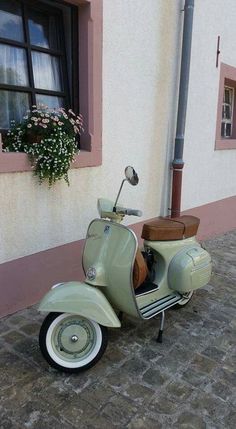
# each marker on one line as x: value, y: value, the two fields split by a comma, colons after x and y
x: 139, y: 80
x: 209, y: 174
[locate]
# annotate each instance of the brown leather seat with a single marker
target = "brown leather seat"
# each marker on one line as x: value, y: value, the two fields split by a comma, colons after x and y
x: 165, y: 228
x: 140, y: 270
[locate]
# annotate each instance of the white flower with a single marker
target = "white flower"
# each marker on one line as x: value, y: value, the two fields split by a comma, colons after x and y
x: 45, y: 121
x: 60, y: 123
x: 29, y: 126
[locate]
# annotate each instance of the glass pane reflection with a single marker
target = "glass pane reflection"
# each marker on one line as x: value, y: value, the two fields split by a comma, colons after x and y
x: 47, y: 73
x: 50, y: 101
x: 43, y: 30
x: 13, y: 66
x: 11, y: 26
x: 13, y: 105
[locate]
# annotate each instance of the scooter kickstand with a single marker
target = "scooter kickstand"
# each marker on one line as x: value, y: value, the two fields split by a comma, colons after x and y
x: 159, y: 338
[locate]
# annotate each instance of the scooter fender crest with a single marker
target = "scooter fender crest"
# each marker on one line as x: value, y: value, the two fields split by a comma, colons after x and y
x: 80, y: 298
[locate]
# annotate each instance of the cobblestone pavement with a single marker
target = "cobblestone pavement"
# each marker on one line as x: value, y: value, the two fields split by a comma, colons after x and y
x: 188, y: 382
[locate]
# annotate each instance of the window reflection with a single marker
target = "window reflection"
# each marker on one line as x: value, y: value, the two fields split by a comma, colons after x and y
x: 13, y: 106
x: 13, y: 66
x: 43, y: 30
x: 46, y: 70
x: 50, y: 101
x: 11, y: 26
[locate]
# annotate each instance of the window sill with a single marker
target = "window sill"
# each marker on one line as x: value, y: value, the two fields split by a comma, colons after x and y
x: 225, y: 144
x: 19, y: 162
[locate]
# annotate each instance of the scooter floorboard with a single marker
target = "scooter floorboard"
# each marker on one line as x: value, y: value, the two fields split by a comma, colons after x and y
x: 160, y: 305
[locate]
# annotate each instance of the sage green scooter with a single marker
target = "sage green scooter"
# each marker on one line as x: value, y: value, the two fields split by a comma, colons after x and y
x: 121, y: 279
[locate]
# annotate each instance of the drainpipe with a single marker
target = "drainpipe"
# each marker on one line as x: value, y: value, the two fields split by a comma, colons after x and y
x: 178, y: 163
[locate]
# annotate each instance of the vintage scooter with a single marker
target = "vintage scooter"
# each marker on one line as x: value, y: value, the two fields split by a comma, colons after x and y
x: 121, y: 279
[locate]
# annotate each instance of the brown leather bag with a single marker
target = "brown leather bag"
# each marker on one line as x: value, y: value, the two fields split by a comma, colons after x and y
x: 140, y: 271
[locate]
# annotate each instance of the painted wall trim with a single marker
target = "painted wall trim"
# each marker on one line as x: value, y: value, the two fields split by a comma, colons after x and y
x: 25, y: 280
x: 217, y: 218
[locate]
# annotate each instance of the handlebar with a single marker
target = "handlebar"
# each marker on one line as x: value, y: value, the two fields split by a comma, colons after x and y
x: 129, y: 212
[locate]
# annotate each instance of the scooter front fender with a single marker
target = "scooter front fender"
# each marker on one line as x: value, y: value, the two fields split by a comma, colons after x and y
x: 80, y: 298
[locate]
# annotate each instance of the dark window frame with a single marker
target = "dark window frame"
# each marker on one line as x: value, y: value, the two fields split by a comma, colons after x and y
x: 71, y: 98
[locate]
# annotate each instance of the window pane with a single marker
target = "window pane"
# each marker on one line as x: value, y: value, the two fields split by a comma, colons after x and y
x: 43, y: 30
x: 11, y: 26
x: 13, y: 105
x: 47, y: 73
x: 222, y: 129
x: 13, y: 66
x: 227, y: 112
x: 50, y: 101
x: 228, y: 130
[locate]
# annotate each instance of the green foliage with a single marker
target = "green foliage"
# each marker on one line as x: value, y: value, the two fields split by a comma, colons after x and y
x: 49, y: 138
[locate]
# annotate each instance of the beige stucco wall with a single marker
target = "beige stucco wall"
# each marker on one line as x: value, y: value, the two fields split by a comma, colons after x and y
x: 141, y: 45
x: 209, y: 175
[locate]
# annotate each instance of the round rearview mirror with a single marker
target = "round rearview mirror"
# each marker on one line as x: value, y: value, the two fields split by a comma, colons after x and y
x: 131, y: 175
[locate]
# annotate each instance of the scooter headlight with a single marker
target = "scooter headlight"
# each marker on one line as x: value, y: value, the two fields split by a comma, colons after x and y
x: 91, y: 273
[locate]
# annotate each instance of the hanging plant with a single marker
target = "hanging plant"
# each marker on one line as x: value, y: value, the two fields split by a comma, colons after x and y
x: 49, y: 137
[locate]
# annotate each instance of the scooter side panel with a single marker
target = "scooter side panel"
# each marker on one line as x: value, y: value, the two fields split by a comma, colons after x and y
x: 110, y: 248
x: 80, y: 298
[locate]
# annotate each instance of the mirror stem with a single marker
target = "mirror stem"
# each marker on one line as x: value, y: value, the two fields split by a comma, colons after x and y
x: 121, y: 186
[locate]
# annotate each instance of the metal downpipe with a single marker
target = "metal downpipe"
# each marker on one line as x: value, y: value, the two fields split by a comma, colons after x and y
x: 178, y: 163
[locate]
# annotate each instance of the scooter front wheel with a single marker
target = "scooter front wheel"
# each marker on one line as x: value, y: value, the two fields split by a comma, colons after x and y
x: 72, y: 343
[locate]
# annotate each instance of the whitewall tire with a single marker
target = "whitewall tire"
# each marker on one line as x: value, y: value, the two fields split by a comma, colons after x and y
x: 72, y: 343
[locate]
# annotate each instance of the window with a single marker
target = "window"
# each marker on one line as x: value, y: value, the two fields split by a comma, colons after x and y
x: 67, y: 41
x: 226, y: 113
x: 33, y: 62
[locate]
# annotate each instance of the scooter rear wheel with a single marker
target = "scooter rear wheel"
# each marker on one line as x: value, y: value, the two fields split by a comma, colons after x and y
x: 72, y: 343
x: 185, y: 300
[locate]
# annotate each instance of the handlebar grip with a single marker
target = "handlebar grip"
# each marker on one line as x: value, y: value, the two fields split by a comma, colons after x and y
x: 133, y: 212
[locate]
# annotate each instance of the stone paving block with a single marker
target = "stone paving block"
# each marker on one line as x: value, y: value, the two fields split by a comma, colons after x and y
x: 179, y: 391
x: 12, y: 337
x: 189, y: 420
x: 119, y: 411
x: 162, y: 405
x: 211, y: 406
x: 139, y: 394
x: 98, y: 395
x: 143, y: 422
x: 155, y: 378
x: 203, y: 364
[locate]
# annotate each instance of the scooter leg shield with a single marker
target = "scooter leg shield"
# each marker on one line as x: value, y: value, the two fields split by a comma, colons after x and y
x: 80, y: 298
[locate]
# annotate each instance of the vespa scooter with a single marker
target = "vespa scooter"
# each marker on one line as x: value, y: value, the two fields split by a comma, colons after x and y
x: 121, y: 279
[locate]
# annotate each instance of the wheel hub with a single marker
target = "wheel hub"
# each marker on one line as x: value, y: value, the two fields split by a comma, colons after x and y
x: 74, y: 338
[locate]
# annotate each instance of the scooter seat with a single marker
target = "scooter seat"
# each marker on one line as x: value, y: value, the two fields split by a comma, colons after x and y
x: 165, y: 228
